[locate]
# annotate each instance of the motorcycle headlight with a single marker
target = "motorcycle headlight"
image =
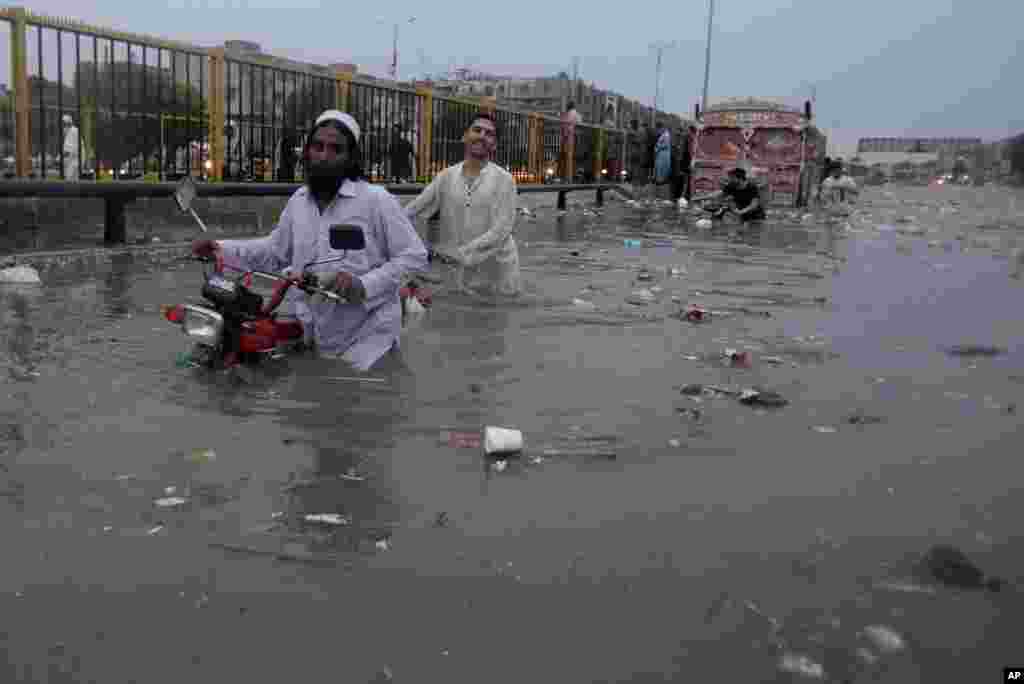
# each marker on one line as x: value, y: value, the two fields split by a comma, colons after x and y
x: 203, y: 325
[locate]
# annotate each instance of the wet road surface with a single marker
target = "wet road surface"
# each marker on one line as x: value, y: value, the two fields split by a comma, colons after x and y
x: 154, y: 517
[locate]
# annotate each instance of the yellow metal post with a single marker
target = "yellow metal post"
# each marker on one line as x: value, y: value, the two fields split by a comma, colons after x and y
x: 22, y: 96
x: 217, y: 109
x: 342, y: 89
x: 425, y: 137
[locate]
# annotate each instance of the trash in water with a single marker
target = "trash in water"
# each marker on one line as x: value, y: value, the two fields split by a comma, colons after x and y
x: 20, y: 274
x: 583, y: 304
x: 382, y: 544
x: 170, y: 502
x: 441, y: 520
x: 184, y: 360
x: 635, y: 244
x: 695, y: 390
x: 413, y: 306
x: 332, y: 519
x: 499, y: 440
x: 859, y: 418
x: 645, y: 275
x: 170, y: 490
x: 737, y: 358
x: 904, y: 587
x: 825, y: 429
x: 752, y: 397
x: 153, y: 530
x: 461, y: 440
x: 641, y: 297
x: 499, y: 465
x: 971, y: 350
x: 202, y: 455
x: 674, y: 443
x: 884, y: 638
x: 704, y: 223
x: 695, y: 314
x: 801, y: 665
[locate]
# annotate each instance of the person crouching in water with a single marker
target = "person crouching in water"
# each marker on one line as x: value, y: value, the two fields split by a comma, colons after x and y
x: 743, y: 194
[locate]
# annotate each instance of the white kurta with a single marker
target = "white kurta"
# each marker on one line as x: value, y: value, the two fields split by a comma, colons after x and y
x: 477, y: 222
x: 359, y: 333
x: 71, y: 157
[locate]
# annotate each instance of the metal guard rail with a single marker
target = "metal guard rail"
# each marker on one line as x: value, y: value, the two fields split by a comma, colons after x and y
x: 117, y: 195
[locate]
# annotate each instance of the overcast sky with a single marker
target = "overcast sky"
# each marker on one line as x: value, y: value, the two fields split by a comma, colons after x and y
x: 881, y: 67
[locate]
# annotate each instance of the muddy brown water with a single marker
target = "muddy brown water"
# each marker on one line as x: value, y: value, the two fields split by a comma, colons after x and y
x: 718, y: 539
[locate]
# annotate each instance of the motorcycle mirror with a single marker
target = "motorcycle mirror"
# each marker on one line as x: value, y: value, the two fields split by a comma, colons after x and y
x: 345, y: 237
x: 184, y: 194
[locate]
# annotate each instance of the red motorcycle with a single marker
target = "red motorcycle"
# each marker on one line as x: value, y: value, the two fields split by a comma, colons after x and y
x: 237, y: 325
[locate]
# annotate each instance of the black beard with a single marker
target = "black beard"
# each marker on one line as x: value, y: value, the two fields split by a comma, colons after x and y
x: 325, y: 179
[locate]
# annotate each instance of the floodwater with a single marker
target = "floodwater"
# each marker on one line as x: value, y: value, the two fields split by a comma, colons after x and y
x: 644, y: 535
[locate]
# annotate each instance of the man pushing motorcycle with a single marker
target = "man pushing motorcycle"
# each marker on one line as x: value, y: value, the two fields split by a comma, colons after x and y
x: 363, y: 329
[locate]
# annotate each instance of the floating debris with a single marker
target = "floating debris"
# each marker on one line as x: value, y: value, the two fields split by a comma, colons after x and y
x: 824, y: 429
x: 202, y: 456
x: 330, y: 519
x: 753, y: 397
x: 904, y: 587
x: 170, y: 502
x: 884, y: 638
x: 801, y: 665
x: 863, y: 419
x: 641, y: 297
x: 974, y: 350
x: 25, y: 275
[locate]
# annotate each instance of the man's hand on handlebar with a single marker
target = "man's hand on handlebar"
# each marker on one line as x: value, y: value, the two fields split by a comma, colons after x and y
x: 348, y: 286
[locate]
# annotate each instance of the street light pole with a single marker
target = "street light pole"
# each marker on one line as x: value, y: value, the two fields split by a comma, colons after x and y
x: 707, y: 56
x: 660, y: 48
x: 394, y: 47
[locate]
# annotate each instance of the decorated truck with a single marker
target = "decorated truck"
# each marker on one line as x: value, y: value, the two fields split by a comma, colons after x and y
x: 778, y: 145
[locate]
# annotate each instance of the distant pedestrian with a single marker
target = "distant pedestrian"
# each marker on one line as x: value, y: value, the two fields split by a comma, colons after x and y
x: 71, y: 149
x: 477, y: 200
x: 663, y: 158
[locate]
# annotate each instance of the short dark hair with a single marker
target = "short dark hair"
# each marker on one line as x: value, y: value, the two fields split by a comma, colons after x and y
x: 354, y: 167
x: 484, y: 114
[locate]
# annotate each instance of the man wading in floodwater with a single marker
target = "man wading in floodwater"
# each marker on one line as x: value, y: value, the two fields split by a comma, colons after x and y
x: 369, y: 325
x: 745, y: 197
x: 477, y: 200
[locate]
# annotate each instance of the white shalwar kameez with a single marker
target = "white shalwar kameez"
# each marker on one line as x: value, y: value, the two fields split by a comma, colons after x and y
x: 477, y: 221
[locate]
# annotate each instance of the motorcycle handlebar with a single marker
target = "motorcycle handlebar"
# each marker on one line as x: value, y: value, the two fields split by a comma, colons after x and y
x: 308, y: 289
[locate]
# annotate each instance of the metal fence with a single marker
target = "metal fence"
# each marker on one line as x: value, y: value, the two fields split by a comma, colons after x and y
x: 103, y: 106
x: 99, y: 104
x: 267, y: 113
x: 389, y: 120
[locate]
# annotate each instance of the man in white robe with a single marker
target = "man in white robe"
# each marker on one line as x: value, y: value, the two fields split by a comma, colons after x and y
x: 477, y: 200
